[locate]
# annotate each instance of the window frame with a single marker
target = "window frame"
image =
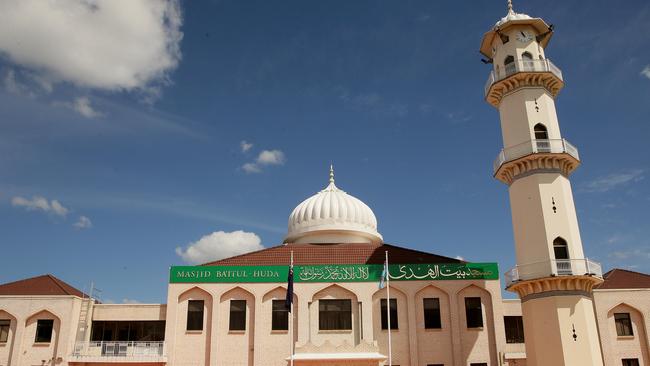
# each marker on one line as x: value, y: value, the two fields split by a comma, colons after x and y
x: 471, y: 311
x: 194, y: 313
x: 520, y: 336
x: 237, y: 323
x: 279, y: 315
x: 5, y: 326
x: 630, y: 361
x: 394, y: 321
x: 342, y: 319
x: 621, y: 321
x: 436, y: 322
x: 44, y: 331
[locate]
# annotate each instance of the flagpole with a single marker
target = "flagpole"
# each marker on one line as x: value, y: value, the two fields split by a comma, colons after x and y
x: 390, y: 349
x: 291, y: 317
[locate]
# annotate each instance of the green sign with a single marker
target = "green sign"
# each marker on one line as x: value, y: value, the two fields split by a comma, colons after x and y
x: 334, y: 273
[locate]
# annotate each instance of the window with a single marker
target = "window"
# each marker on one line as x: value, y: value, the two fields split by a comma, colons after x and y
x: 393, y: 314
x: 623, y: 324
x: 473, y: 312
x: 529, y: 64
x: 335, y: 314
x: 514, y: 329
x: 4, y: 330
x: 44, y: 330
x: 128, y: 330
x: 279, y: 316
x: 508, y: 60
x: 435, y: 364
x: 237, y: 315
x: 541, y: 133
x: 432, y: 313
x: 479, y: 364
x: 630, y: 362
x: 560, y: 248
x: 195, y: 315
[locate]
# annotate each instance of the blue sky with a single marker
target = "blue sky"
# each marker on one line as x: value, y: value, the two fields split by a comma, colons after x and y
x: 138, y: 128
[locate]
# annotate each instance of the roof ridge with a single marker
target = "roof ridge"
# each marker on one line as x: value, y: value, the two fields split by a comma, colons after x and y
x: 56, y: 281
x: 629, y: 270
x: 241, y: 255
x: 423, y: 252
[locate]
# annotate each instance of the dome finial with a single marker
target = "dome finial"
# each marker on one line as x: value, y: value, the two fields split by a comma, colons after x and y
x: 331, y: 173
x: 510, y: 7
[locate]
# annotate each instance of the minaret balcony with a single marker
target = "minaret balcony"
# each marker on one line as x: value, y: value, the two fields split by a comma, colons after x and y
x: 553, y: 268
x: 520, y: 73
x: 535, y: 154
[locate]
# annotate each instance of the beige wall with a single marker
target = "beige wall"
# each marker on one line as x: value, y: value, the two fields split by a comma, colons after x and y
x: 24, y: 312
x: 454, y: 344
x: 129, y: 312
x: 636, y: 302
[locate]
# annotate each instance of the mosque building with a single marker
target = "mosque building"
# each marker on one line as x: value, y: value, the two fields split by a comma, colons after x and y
x: 324, y: 296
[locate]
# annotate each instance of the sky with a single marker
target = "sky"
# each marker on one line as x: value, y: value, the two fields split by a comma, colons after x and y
x: 136, y: 135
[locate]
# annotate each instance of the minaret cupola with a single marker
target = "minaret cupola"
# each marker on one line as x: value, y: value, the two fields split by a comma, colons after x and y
x: 515, y: 47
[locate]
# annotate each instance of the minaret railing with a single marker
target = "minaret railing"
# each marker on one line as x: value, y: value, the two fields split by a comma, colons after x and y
x: 552, y: 268
x: 550, y: 146
x: 522, y: 65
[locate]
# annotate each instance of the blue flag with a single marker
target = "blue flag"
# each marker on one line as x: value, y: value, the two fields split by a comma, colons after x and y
x: 289, y: 299
x: 384, y: 272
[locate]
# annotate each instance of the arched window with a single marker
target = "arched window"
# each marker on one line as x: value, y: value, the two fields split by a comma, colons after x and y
x: 510, y: 65
x: 560, y: 248
x: 541, y: 133
x: 529, y: 64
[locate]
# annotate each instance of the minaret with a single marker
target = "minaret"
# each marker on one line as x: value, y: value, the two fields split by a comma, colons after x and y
x: 553, y: 278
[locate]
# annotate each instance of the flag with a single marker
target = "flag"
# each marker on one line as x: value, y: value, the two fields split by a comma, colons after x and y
x: 382, y: 280
x: 289, y: 299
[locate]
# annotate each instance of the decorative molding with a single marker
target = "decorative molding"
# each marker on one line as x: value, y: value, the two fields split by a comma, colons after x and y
x: 501, y: 88
x: 563, y: 163
x: 583, y: 284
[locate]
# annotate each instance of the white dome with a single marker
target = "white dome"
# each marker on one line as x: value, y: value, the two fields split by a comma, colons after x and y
x: 511, y: 16
x: 332, y: 216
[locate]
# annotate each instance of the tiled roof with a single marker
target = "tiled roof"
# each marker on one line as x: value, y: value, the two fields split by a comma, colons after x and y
x: 622, y: 278
x: 350, y: 253
x: 40, y: 285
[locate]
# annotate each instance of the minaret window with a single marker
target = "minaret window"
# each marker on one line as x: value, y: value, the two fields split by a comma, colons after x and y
x: 560, y: 248
x: 509, y: 63
x: 527, y: 59
x: 541, y: 138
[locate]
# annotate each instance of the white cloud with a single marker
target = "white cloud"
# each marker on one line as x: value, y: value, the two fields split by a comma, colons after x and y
x: 245, y: 146
x: 82, y: 106
x: 646, y: 71
x: 612, y: 181
x: 83, y: 223
x: 251, y: 168
x: 265, y: 158
x: 271, y: 157
x: 130, y: 301
x: 219, y: 245
x: 460, y: 258
x: 104, y: 44
x: 38, y: 203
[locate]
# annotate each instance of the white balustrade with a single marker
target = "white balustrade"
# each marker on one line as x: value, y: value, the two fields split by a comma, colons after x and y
x: 552, y: 268
x: 556, y: 146
x: 101, y: 351
x: 522, y: 65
